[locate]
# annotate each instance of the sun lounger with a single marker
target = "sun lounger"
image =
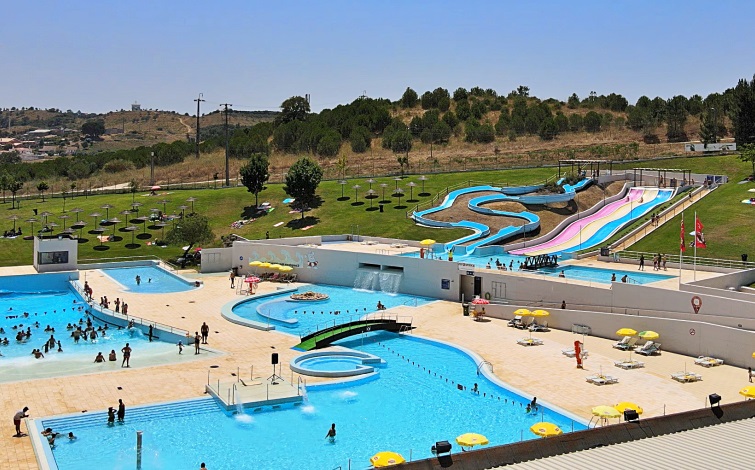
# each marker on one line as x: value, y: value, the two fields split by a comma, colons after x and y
x: 685, y: 377
x: 530, y: 342
x: 572, y: 353
x: 524, y: 326
x: 625, y: 344
x: 602, y: 379
x: 707, y: 361
x: 629, y: 364
x: 517, y: 320
x: 536, y: 327
x: 649, y: 349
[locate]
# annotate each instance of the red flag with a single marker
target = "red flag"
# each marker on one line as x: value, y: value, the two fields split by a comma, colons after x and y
x: 699, y: 237
x: 683, y: 246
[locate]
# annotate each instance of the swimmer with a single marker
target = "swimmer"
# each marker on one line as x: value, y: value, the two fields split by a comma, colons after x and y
x: 99, y: 358
x: 475, y: 389
x: 110, y: 416
x: 331, y: 433
x: 71, y: 437
x: 112, y: 356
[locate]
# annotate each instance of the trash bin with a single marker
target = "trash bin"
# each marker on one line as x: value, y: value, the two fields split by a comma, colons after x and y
x: 744, y: 257
x: 604, y: 251
x: 465, y: 309
x: 381, y: 208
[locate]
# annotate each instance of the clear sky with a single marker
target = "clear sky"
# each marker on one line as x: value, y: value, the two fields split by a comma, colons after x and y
x: 97, y: 56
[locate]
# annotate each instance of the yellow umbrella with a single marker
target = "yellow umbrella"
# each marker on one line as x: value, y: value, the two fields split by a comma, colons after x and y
x: 605, y: 411
x: 626, y: 332
x: 649, y: 335
x: 255, y: 263
x: 544, y: 429
x: 275, y: 266
x: 539, y: 313
x: 522, y: 312
x: 628, y: 405
x: 264, y: 264
x: 285, y: 269
x: 386, y: 459
x: 427, y: 241
x: 753, y: 355
x: 748, y: 392
x: 471, y: 439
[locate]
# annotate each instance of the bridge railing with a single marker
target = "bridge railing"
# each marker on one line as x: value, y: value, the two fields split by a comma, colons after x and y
x: 345, y: 319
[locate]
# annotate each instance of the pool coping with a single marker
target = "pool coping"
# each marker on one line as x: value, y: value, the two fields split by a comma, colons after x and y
x: 226, y: 311
x: 102, y: 267
x: 362, y: 369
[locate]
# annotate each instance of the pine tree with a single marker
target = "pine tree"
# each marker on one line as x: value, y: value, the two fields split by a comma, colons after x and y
x: 743, y: 115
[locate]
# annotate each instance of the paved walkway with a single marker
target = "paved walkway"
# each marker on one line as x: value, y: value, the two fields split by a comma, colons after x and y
x: 540, y: 370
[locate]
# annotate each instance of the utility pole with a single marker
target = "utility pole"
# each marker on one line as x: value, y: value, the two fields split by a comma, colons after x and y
x: 227, y: 174
x: 198, y: 100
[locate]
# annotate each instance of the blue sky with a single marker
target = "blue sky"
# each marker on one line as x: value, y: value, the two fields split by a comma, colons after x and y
x: 101, y: 56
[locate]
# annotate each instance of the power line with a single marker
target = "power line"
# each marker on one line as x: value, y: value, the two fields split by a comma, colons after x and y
x: 198, y: 100
x: 227, y: 174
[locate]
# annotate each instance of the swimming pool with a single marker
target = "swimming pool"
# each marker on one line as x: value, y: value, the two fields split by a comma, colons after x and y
x: 602, y: 275
x: 413, y: 402
x: 49, y: 301
x: 154, y: 280
x: 300, y: 316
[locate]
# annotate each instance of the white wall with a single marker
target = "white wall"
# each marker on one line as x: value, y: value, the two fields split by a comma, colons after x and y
x: 44, y: 245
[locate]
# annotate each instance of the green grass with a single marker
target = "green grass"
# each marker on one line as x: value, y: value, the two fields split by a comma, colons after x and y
x: 728, y: 226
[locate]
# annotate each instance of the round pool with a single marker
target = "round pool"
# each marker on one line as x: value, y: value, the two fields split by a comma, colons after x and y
x: 335, y: 363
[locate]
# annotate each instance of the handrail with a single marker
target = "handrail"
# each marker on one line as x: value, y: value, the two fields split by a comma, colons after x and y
x: 484, y: 363
x: 687, y: 259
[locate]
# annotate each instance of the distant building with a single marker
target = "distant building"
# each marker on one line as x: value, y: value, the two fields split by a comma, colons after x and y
x: 136, y: 107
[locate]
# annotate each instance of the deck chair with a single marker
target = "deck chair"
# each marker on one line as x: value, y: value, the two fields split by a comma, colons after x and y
x: 626, y: 346
x: 539, y: 327
x: 654, y: 348
x: 514, y: 322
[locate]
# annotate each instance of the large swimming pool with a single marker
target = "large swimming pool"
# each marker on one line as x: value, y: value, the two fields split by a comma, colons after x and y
x: 51, y: 304
x: 300, y: 316
x: 413, y: 402
x: 153, y: 280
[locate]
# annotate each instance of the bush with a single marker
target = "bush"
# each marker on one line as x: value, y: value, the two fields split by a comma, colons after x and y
x: 118, y: 165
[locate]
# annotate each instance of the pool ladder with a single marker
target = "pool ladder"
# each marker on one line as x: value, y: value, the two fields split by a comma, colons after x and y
x: 484, y: 363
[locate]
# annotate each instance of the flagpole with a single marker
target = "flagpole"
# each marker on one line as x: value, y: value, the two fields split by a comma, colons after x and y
x: 681, y: 251
x: 694, y: 272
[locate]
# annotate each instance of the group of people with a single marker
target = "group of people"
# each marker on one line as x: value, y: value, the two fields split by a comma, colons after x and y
x: 200, y: 337
x: 624, y: 278
x: 48, y: 432
x: 121, y: 413
x: 659, y: 262
x: 499, y: 265
x: 12, y: 233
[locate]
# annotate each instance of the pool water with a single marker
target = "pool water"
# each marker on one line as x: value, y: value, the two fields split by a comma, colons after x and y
x: 49, y: 300
x: 302, y: 316
x: 154, y: 280
x: 601, y: 275
x: 413, y: 402
x: 332, y: 364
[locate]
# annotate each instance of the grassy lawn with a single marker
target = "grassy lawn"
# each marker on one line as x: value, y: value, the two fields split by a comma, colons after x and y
x: 728, y: 223
x: 224, y: 206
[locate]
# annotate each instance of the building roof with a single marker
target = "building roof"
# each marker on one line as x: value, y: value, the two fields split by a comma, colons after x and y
x: 727, y: 445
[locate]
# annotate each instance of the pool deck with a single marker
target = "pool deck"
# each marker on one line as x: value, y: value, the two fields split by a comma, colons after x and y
x: 540, y: 370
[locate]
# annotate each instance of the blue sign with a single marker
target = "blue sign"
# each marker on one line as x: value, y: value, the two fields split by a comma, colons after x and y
x: 445, y: 284
x: 241, y: 258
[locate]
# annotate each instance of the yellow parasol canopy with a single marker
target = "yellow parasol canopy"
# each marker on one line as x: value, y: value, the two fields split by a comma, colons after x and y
x: 626, y: 332
x: 605, y: 411
x: 264, y: 264
x: 427, y: 241
x: 386, y: 459
x: 471, y: 439
x: 544, y: 429
x: 255, y: 263
x: 522, y: 312
x: 285, y: 269
x: 649, y: 335
x: 753, y: 355
x: 628, y: 405
x: 275, y: 266
x: 539, y: 313
x: 748, y: 392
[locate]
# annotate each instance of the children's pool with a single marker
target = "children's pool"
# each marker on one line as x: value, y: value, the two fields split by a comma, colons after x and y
x: 601, y: 275
x: 153, y: 280
x: 301, y: 316
x: 413, y: 402
x: 49, y: 302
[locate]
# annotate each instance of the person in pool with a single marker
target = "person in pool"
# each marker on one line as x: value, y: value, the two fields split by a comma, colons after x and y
x: 331, y: 433
x: 99, y: 358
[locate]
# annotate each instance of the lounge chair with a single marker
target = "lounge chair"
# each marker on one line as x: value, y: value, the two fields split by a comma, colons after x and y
x: 707, y: 361
x: 572, y: 353
x: 525, y: 326
x: 516, y: 321
x: 685, y: 377
x: 629, y: 364
x: 651, y: 350
x: 536, y: 327
x: 626, y: 344
x: 530, y: 342
x: 602, y: 379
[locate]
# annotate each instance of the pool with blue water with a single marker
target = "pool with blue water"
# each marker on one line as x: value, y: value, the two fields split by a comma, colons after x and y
x: 153, y: 280
x: 410, y: 404
x: 51, y: 304
x: 300, y: 316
